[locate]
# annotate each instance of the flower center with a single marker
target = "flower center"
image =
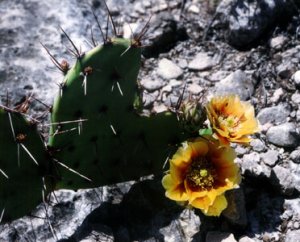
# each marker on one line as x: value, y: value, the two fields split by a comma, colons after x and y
x: 230, y: 122
x: 201, y: 174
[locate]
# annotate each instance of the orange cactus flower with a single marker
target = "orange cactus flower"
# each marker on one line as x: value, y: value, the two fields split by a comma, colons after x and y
x: 232, y: 120
x: 200, y: 173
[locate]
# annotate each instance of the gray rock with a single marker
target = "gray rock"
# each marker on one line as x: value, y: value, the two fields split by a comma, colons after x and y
x: 240, y: 150
x: 282, y: 179
x: 99, y: 233
x: 250, y: 164
x: 236, y: 83
x: 249, y: 20
x: 257, y: 145
x: 285, y: 69
x: 150, y: 98
x: 283, y: 135
x: 295, y: 173
x: 276, y: 115
x: 219, y: 236
x: 187, y: 226
x: 218, y: 76
x: 292, y: 236
x: 168, y: 70
x: 270, y: 157
x: 201, y: 62
x: 235, y: 212
x: 295, y: 156
x: 165, y: 32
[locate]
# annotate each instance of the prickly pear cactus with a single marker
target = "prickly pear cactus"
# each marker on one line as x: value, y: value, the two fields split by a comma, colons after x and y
x: 24, y: 166
x: 113, y: 143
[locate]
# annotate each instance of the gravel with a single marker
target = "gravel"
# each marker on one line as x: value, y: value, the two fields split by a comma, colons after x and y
x: 191, y: 44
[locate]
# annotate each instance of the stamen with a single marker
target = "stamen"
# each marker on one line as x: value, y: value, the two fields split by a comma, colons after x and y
x: 201, y: 174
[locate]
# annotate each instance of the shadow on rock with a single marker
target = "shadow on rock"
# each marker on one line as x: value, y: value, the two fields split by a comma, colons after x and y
x: 141, y: 214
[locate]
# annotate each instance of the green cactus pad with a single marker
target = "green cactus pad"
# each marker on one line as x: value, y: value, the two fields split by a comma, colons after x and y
x: 21, y: 179
x: 115, y: 143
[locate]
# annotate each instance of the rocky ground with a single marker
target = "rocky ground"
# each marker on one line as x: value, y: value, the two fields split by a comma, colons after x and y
x: 232, y: 46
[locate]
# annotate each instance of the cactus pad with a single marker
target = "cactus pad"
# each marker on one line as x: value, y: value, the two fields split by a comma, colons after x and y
x: 23, y: 164
x: 115, y: 143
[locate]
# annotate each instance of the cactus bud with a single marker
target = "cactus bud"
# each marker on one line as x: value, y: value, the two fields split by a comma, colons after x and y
x: 191, y: 115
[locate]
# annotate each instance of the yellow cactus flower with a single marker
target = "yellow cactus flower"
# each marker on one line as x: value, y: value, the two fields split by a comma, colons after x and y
x: 200, y: 173
x: 232, y: 120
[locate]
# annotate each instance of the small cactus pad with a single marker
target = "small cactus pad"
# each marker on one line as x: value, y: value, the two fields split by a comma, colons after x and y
x: 114, y: 143
x: 23, y: 164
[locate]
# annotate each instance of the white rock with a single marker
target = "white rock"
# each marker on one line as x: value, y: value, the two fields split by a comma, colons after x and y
x: 194, y: 9
x: 277, y: 95
x: 201, y: 62
x: 296, y: 78
x: 295, y: 98
x: 168, y: 70
x: 278, y: 42
x: 129, y: 29
x: 195, y: 88
x: 219, y: 237
x: 151, y: 85
x: 246, y: 239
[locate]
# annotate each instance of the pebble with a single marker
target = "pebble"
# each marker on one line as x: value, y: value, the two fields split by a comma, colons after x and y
x: 129, y: 29
x: 195, y: 88
x: 295, y: 98
x: 251, y: 164
x: 282, y: 179
x: 276, y: 115
x: 277, y: 95
x: 246, y: 239
x: 160, y: 108
x: 201, y: 62
x: 296, y: 225
x: 151, y: 85
x: 277, y: 42
x: 292, y: 235
x: 194, y: 9
x: 296, y: 78
x: 257, y: 145
x: 168, y: 70
x: 283, y: 135
x: 175, y: 83
x: 295, y: 172
x: 270, y: 157
x: 187, y: 226
x: 285, y: 69
x: 218, y: 76
x: 215, y: 236
x: 182, y: 63
x: 295, y: 156
x: 240, y: 150
x: 298, y: 115
x: 235, y: 83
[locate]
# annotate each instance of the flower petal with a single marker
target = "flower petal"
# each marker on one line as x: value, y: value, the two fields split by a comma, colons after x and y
x: 174, y: 191
x: 219, y: 204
